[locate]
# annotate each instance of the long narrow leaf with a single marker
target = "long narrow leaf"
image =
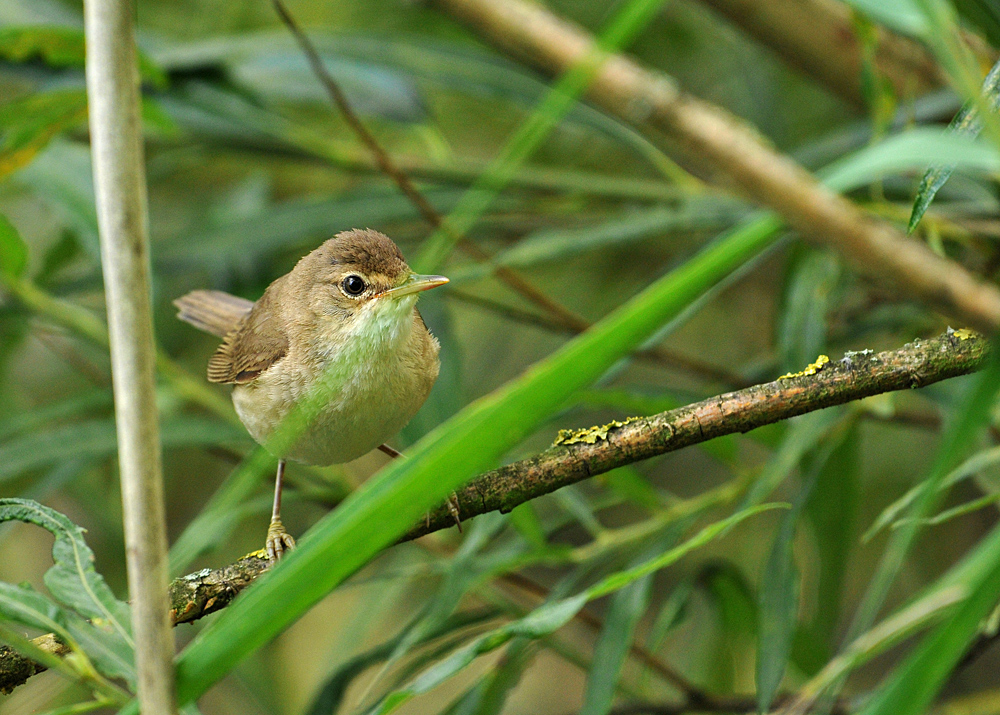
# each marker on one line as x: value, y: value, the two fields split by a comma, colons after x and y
x: 553, y: 615
x: 966, y: 123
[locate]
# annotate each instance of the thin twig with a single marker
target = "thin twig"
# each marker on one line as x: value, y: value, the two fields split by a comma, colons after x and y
x: 657, y: 354
x: 691, y: 692
x: 387, y: 165
x: 587, y: 453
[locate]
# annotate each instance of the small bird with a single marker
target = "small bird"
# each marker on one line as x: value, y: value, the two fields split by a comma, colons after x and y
x: 345, y: 313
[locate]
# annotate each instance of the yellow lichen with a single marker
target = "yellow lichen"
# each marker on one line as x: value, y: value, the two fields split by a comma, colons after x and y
x: 590, y: 435
x: 964, y: 334
x: 810, y: 369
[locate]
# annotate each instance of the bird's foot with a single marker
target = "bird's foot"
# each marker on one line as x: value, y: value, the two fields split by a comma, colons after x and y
x: 278, y: 540
x: 453, y: 506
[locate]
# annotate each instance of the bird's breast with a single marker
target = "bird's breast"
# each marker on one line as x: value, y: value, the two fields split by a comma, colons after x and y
x: 368, y: 390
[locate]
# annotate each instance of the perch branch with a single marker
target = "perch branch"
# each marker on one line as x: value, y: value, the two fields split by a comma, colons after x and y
x: 736, y: 154
x: 120, y: 188
x: 586, y: 453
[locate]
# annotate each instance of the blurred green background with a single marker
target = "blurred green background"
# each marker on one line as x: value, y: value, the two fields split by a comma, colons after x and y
x: 249, y: 168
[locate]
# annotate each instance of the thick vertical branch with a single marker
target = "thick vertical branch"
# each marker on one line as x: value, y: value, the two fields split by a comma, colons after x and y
x: 120, y: 183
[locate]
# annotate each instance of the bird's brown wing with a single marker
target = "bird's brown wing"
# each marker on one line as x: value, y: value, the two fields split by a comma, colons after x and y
x: 255, y: 345
x: 252, y: 340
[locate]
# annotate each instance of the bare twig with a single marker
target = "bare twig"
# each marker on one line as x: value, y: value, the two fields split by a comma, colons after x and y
x: 427, y: 211
x: 713, y: 704
x: 659, y: 355
x: 587, y: 453
x: 120, y: 184
x: 737, y: 154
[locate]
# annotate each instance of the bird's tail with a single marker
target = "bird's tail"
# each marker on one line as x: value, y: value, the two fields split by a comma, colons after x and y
x: 213, y: 311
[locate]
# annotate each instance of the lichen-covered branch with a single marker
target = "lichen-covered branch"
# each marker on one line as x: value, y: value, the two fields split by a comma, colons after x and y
x: 590, y: 452
x: 735, y: 155
x: 581, y: 454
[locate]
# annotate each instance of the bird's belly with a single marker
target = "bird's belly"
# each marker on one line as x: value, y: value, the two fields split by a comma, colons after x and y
x: 366, y: 409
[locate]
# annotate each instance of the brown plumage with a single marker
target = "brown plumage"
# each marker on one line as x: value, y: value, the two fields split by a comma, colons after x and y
x: 346, y: 311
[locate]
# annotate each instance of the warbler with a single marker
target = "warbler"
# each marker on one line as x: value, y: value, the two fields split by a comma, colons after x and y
x: 346, y: 314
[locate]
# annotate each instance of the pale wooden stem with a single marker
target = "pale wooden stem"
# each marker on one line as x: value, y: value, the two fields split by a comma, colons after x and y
x: 120, y: 183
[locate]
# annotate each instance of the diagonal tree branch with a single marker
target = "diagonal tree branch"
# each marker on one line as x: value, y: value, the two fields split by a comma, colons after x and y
x: 579, y: 455
x: 737, y: 154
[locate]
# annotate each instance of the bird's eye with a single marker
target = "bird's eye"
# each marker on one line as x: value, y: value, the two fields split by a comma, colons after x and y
x: 354, y: 285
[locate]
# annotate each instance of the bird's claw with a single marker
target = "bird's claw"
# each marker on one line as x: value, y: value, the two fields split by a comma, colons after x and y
x: 452, y: 505
x: 278, y: 540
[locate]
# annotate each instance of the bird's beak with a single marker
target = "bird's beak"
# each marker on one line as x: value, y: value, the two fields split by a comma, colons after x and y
x: 416, y: 283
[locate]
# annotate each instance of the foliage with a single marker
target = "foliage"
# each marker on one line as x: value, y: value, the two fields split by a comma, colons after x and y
x: 674, y: 582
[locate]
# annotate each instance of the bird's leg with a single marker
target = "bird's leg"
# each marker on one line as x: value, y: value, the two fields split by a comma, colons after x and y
x: 386, y: 449
x: 452, y: 502
x: 278, y: 540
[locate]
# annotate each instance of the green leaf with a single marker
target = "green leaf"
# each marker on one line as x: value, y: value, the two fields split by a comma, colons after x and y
x: 832, y: 510
x: 13, y: 250
x: 553, y: 615
x: 72, y: 579
x: 624, y: 612
x: 59, y: 46
x: 22, y: 605
x: 629, y: 484
x: 623, y: 27
x: 29, y: 124
x: 779, y: 604
x: 808, y: 293
x: 331, y: 694
x: 98, y: 622
x: 928, y: 609
x: 984, y: 14
x: 29, y: 608
x: 490, y: 692
x: 72, y: 407
x: 910, y: 150
x: 916, y: 682
x: 62, y: 176
x: 672, y: 613
x: 904, y: 16
x: 970, y: 417
x: 965, y: 123
x: 97, y: 438
x: 528, y: 525
x: 894, y: 513
x: 804, y: 433
x: 563, y: 243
